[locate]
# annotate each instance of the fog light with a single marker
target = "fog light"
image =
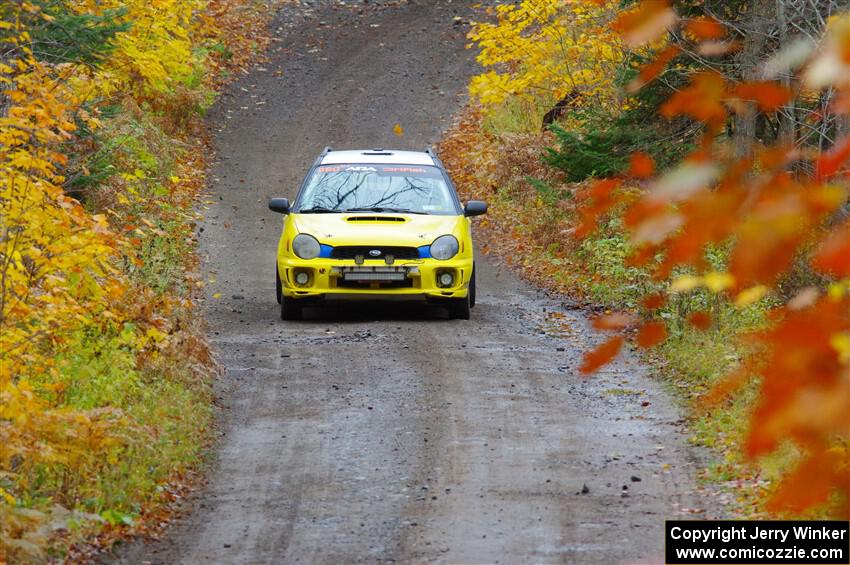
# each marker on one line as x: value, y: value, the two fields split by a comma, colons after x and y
x: 302, y: 278
x: 446, y: 280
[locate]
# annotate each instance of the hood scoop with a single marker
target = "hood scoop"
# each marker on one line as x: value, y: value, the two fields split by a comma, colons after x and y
x: 376, y: 219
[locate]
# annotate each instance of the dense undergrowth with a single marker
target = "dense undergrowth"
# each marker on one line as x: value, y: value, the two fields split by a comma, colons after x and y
x: 105, y: 397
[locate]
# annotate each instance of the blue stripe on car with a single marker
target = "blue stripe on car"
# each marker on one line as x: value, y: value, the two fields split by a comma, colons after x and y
x: 326, y: 251
x: 425, y: 252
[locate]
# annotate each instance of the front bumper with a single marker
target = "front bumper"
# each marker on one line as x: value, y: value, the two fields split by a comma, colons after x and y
x: 331, y: 277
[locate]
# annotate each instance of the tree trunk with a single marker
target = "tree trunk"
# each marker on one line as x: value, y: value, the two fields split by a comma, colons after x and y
x: 788, y: 114
x: 756, y: 28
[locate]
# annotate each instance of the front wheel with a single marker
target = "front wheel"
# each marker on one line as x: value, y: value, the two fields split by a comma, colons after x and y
x: 278, y: 286
x: 290, y: 309
x: 472, y: 289
x: 459, y: 308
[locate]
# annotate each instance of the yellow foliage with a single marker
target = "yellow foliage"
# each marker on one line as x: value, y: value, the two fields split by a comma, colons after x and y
x: 751, y: 295
x: 55, y: 261
x: 54, y: 258
x: 155, y: 53
x: 546, y: 47
x: 714, y: 281
x: 63, y: 270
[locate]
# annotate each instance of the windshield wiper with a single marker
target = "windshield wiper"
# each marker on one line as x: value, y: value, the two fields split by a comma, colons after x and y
x: 319, y: 210
x: 385, y: 209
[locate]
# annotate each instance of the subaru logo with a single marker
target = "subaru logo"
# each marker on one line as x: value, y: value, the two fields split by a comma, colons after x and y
x: 375, y: 253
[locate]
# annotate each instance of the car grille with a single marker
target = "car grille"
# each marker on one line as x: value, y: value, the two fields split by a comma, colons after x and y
x: 352, y: 251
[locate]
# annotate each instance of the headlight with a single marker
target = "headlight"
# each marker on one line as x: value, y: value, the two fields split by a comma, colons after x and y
x: 306, y: 246
x: 444, y: 247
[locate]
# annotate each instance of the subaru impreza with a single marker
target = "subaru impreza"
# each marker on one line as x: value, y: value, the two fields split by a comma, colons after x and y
x: 376, y: 224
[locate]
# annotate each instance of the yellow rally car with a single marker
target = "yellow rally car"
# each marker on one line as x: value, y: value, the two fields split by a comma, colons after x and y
x: 376, y: 223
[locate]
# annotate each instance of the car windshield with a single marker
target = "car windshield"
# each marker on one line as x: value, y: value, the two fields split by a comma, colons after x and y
x: 377, y: 188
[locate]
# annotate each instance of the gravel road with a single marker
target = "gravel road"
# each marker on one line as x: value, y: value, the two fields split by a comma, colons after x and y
x: 387, y: 433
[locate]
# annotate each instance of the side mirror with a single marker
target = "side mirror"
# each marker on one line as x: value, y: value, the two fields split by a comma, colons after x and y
x: 279, y: 205
x: 475, y: 208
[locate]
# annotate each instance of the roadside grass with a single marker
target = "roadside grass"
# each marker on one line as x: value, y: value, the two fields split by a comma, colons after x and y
x: 164, y: 421
x: 530, y: 226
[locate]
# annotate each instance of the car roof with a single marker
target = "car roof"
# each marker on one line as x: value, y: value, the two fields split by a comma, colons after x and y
x: 370, y: 156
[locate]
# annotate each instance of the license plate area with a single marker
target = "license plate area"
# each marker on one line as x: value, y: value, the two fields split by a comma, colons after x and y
x: 377, y: 274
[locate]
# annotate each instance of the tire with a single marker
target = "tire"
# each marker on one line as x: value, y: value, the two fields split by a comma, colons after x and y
x: 290, y: 309
x: 278, y: 287
x: 472, y: 289
x: 459, y: 308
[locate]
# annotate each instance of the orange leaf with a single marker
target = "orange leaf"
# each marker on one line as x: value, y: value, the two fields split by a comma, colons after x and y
x: 702, y: 99
x: 642, y: 165
x: 810, y: 483
x: 587, y: 225
x: 804, y: 388
x: 776, y: 229
x: 830, y: 162
x: 705, y: 28
x: 770, y: 96
x: 654, y: 301
x: 840, y: 103
x: 646, y: 23
x: 601, y: 199
x: 603, y: 189
x: 776, y: 157
x: 615, y: 321
x: 700, y: 320
x: 724, y: 388
x: 601, y: 355
x: 833, y: 256
x: 651, y: 334
x: 651, y: 70
x: 641, y: 256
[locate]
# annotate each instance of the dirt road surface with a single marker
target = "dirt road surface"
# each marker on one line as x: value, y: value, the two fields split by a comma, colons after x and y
x: 378, y: 433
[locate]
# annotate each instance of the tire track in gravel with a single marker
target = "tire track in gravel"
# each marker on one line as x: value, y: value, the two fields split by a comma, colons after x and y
x: 379, y: 433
